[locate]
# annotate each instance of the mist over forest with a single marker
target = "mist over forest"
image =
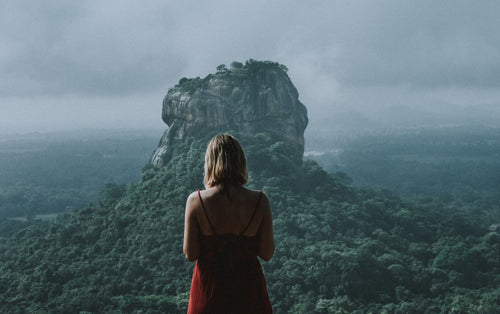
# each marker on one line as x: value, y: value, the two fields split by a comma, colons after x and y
x: 447, y: 176
x: 47, y: 173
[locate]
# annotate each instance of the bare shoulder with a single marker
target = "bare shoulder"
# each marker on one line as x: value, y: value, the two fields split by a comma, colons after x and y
x: 254, y: 194
x: 206, y: 193
x: 264, y: 201
x: 261, y: 197
x: 192, y: 202
x: 192, y: 197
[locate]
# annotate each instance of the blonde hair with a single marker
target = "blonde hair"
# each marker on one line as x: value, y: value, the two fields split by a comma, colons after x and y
x: 225, y: 162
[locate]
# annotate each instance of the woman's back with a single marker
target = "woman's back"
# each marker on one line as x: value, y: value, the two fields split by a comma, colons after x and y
x: 237, y: 211
x: 232, y: 213
x: 228, y: 277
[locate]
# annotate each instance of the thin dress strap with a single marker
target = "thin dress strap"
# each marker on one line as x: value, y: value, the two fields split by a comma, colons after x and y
x: 253, y: 215
x: 206, y: 214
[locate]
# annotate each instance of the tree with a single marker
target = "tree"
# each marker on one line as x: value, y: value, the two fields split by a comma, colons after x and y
x: 235, y: 65
x: 221, y: 68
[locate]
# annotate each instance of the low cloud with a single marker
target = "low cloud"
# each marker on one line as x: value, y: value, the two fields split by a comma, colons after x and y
x: 57, y: 50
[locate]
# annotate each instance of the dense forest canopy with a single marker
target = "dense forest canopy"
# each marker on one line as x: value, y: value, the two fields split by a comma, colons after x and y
x: 457, y: 166
x: 340, y: 248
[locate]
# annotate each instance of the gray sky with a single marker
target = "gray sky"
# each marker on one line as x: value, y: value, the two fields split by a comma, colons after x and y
x: 101, y: 64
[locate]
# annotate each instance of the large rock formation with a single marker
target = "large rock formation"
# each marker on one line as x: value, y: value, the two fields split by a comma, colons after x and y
x: 251, y: 98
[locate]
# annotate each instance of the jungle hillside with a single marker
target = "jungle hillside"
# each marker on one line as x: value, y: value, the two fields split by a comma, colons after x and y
x: 390, y: 222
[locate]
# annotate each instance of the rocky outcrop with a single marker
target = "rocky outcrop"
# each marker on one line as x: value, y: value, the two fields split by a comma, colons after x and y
x: 251, y: 98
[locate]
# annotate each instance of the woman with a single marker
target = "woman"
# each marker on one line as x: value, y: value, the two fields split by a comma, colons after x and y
x: 226, y: 227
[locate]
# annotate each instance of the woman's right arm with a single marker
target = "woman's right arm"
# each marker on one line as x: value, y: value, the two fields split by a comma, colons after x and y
x: 191, y: 229
x: 266, y: 245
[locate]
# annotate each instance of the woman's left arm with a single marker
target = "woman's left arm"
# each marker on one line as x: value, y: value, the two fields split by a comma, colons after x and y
x: 191, y: 229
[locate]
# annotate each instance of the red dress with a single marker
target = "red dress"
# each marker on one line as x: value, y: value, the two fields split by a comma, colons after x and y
x: 227, y: 277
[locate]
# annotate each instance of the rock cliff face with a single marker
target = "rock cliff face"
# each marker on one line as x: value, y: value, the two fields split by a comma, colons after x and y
x: 251, y: 98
